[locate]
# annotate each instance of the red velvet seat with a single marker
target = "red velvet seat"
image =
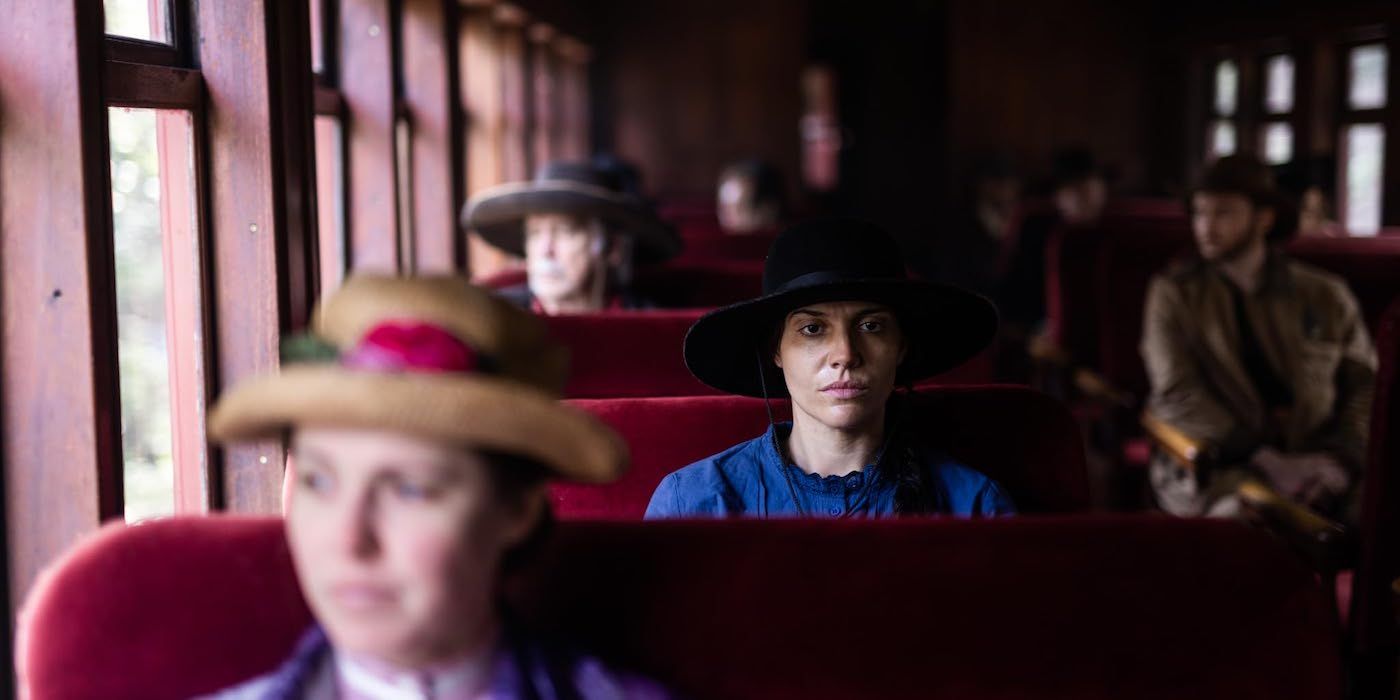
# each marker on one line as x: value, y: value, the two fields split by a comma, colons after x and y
x: 1022, y: 438
x: 682, y: 284
x: 1082, y: 608
x: 628, y: 353
x: 1371, y: 267
x: 723, y: 246
x: 1372, y: 629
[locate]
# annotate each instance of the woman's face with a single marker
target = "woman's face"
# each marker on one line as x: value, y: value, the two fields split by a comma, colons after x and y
x: 839, y: 360
x: 397, y: 541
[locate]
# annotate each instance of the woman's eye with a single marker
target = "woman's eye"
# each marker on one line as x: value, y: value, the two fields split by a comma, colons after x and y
x: 872, y: 326
x: 316, y: 482
x: 409, y: 491
x: 810, y: 329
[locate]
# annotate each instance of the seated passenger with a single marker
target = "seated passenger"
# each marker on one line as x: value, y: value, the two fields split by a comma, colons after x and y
x: 838, y: 328
x: 424, y: 420
x: 1079, y: 191
x: 1263, y: 359
x: 579, y: 233
x: 1307, y: 184
x: 750, y: 197
x: 968, y: 253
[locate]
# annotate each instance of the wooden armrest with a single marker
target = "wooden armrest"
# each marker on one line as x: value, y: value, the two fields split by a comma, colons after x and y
x: 1097, y: 387
x: 1319, y: 539
x: 1182, y: 448
x: 1042, y: 348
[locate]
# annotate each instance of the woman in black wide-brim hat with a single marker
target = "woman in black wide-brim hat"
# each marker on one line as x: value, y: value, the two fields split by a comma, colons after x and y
x: 838, y: 328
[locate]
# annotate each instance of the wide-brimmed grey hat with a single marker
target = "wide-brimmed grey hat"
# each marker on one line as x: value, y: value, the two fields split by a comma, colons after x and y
x: 580, y: 189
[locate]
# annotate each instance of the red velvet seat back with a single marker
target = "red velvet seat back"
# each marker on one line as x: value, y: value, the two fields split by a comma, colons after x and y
x: 1125, y: 264
x: 685, y: 284
x: 1371, y: 267
x: 1096, y: 281
x: 724, y: 246
x: 1024, y: 608
x: 628, y: 353
x: 1372, y: 615
x: 1022, y: 438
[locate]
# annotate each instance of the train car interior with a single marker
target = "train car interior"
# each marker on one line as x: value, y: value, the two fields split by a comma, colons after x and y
x: 988, y: 349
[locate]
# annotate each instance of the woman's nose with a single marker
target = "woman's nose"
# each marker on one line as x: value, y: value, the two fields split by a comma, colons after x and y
x: 358, y: 527
x: 844, y: 352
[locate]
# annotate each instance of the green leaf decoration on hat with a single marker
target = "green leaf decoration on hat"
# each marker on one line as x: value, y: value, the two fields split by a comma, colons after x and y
x: 307, y: 348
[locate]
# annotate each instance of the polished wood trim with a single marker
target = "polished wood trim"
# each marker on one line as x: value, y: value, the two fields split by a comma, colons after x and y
x: 156, y: 87
x: 183, y: 255
x: 60, y: 414
x: 367, y: 55
x: 257, y: 68
x: 155, y: 53
x: 328, y: 101
x: 435, y: 160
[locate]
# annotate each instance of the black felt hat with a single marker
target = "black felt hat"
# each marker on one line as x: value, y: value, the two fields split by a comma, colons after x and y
x: 836, y: 260
x: 498, y: 213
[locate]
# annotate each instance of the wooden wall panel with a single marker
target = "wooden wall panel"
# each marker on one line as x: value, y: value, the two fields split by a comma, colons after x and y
x: 1031, y: 77
x: 367, y: 82
x: 59, y: 412
x: 431, y: 98
x: 691, y: 86
x: 261, y: 175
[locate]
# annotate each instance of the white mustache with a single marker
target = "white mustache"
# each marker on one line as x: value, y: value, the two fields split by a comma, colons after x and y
x: 546, y: 268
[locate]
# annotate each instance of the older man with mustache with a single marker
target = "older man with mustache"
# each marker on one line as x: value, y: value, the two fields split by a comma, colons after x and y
x: 579, y: 231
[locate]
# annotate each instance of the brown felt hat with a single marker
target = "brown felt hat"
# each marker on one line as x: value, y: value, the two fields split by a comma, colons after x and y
x: 433, y: 357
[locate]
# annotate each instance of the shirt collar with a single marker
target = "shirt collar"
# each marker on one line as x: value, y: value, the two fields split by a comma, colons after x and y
x: 815, y: 483
x: 369, y: 679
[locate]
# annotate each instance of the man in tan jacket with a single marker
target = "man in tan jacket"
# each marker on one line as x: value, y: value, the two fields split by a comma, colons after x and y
x: 1264, y: 360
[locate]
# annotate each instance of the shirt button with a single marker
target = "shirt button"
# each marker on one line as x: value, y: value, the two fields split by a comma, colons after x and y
x: 834, y: 510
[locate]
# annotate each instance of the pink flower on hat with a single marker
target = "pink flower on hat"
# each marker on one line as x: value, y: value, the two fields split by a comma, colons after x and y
x: 412, y: 346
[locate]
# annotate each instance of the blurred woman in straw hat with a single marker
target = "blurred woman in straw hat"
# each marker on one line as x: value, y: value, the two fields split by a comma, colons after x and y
x: 424, y: 421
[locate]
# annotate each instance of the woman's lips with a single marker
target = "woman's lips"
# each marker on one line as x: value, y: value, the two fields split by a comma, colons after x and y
x: 362, y: 596
x: 845, y: 390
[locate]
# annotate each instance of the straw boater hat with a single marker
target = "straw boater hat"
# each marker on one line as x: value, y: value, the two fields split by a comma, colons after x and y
x: 836, y: 260
x: 498, y: 213
x: 433, y: 357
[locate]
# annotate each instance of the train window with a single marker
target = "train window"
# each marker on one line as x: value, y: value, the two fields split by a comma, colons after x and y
x: 159, y: 329
x: 318, y: 15
x: 330, y: 201
x: 1276, y: 142
x: 1278, y: 84
x: 403, y: 186
x: 138, y: 19
x: 1363, y: 148
x: 1221, y: 139
x: 1227, y: 87
x: 1366, y: 77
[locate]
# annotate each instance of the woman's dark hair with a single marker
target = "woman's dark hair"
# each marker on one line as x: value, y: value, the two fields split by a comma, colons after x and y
x: 513, y: 477
x: 912, y: 495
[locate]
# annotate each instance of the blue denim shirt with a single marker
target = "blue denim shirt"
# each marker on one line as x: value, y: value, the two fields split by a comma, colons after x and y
x: 747, y: 480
